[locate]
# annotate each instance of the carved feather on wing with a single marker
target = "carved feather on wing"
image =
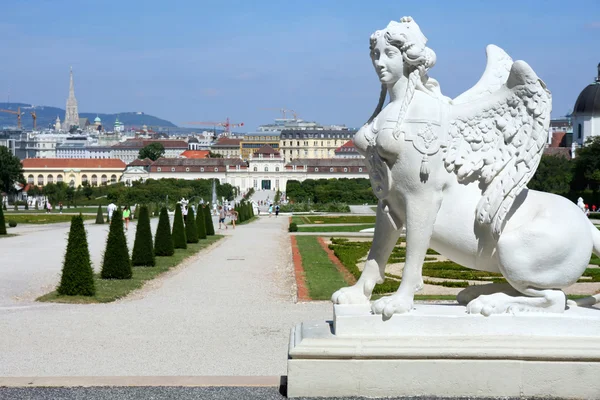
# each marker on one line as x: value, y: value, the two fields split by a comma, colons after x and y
x: 498, y: 139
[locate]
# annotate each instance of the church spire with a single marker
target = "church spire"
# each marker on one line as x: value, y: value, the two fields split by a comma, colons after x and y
x: 71, y: 85
x: 72, y: 112
x: 598, y: 77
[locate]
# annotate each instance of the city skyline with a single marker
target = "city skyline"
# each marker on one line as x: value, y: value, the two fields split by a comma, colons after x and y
x: 206, y: 62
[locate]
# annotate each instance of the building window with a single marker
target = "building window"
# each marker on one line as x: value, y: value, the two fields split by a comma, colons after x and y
x: 50, y: 179
x: 59, y: 178
x: 276, y: 169
x: 72, y: 181
x: 158, y: 169
x: 94, y: 180
x: 30, y: 179
x: 40, y: 180
x: 113, y: 179
x: 266, y: 168
x: 187, y: 169
x: 216, y: 169
x: 316, y: 169
x: 330, y: 169
x: 103, y: 179
x: 201, y: 169
x: 83, y: 178
x: 345, y: 169
x: 579, y: 133
x: 360, y: 170
x: 172, y: 169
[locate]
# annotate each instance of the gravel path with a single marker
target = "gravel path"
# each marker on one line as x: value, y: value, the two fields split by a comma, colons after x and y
x: 228, y: 311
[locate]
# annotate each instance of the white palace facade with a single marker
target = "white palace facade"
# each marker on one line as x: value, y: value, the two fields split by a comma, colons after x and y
x: 265, y: 170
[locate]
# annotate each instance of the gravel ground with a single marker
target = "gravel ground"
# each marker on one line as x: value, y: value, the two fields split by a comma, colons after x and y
x: 229, y: 311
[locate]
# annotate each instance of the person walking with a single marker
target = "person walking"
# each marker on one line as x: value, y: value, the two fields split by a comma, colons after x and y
x: 234, y: 217
x: 60, y: 207
x: 222, y: 217
x: 110, y: 210
x: 48, y: 207
x: 126, y: 216
x: 270, y: 210
x: 277, y: 210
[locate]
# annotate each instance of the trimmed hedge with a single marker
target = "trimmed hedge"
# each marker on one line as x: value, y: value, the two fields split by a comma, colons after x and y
x: 143, y: 249
x: 2, y: 222
x: 116, y: 264
x: 210, y: 228
x: 191, y: 230
x: 201, y: 223
x: 163, y: 241
x: 77, y: 277
x: 179, y: 239
x: 99, y: 216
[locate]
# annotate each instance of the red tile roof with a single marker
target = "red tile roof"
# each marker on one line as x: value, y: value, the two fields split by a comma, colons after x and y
x: 347, y: 147
x: 143, y: 163
x: 114, y: 163
x: 266, y: 149
x: 558, y: 152
x: 195, y: 154
x: 224, y: 141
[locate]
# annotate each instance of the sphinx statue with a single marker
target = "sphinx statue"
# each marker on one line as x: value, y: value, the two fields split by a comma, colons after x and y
x: 454, y: 172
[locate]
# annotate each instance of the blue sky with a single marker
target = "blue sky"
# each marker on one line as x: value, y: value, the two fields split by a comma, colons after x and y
x: 205, y: 61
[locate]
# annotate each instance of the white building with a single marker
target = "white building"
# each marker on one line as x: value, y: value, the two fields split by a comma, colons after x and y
x: 586, y: 113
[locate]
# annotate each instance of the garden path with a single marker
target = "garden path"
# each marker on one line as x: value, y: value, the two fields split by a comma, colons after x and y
x: 228, y: 311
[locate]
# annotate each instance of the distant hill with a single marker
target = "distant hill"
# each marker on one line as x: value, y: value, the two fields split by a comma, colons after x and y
x: 47, y: 115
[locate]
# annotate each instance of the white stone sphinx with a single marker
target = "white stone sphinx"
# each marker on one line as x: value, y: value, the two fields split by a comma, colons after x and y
x: 454, y: 173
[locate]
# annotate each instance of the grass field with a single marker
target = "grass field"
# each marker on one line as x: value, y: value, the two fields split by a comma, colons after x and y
x: 321, y: 276
x: 338, y: 228
x: 108, y: 290
x: 42, y: 218
x: 55, y: 211
x: 323, y: 219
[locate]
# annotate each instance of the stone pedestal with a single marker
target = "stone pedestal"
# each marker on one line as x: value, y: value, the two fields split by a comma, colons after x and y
x: 439, y: 350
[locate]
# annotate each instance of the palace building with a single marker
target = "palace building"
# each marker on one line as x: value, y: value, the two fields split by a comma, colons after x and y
x: 72, y: 171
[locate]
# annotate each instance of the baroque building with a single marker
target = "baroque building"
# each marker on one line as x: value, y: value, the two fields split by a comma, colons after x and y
x: 586, y: 113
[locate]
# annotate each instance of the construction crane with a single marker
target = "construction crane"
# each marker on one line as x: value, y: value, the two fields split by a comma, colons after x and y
x: 225, y: 124
x: 283, y: 111
x: 34, y: 119
x: 17, y: 113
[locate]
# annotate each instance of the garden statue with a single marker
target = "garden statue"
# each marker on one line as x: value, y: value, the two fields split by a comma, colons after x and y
x: 581, y: 204
x: 454, y: 173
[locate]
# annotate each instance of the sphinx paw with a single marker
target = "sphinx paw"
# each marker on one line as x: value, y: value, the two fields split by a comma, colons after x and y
x: 390, y: 305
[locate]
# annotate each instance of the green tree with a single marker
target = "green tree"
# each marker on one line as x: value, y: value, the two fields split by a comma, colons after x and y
x: 11, y: 170
x: 163, y: 241
x: 143, y: 249
x: 77, y: 274
x: 87, y: 190
x: 553, y: 175
x: 116, y: 264
x: 191, y: 230
x: 208, y: 222
x: 201, y: 223
x: 587, y: 166
x: 2, y: 222
x: 179, y: 239
x: 153, y: 151
x: 99, y: 216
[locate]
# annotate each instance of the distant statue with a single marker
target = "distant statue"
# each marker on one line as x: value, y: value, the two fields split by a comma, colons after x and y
x: 581, y: 204
x: 454, y: 173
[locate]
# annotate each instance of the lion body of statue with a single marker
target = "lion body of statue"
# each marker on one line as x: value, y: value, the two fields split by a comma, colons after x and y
x: 454, y: 174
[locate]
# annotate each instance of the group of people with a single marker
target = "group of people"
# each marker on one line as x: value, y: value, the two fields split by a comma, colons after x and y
x: 271, y: 210
x: 227, y: 211
x: 584, y: 207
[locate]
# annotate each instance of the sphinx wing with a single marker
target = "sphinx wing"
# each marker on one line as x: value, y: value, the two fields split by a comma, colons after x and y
x: 499, y: 140
x: 495, y: 75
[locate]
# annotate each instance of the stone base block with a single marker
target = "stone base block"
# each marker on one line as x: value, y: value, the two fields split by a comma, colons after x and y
x: 438, y: 350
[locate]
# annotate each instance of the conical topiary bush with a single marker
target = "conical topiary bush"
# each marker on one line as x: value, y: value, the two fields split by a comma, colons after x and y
x: 143, y: 249
x: 200, y: 223
x: 191, y: 231
x: 116, y: 264
x: 179, y: 239
x: 99, y: 216
x: 77, y: 274
x: 163, y: 241
x: 208, y: 222
x: 2, y: 222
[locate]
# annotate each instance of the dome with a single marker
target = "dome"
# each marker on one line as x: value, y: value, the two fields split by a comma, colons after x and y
x: 97, y: 119
x: 588, y: 101
x: 193, y: 140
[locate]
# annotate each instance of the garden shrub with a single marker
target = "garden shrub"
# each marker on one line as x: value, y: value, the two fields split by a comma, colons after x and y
x: 116, y: 263
x: 163, y: 241
x: 210, y: 228
x: 179, y: 239
x: 293, y: 227
x: 12, y: 223
x: 99, y: 216
x: 2, y: 222
x: 201, y: 223
x: 143, y: 248
x: 191, y: 230
x: 77, y: 277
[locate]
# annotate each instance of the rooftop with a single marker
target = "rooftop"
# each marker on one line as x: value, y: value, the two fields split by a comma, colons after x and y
x: 68, y: 163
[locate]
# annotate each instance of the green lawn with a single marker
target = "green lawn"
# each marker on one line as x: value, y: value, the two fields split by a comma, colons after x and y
x: 322, y: 277
x: 324, y: 219
x: 338, y: 228
x: 42, y: 218
x: 108, y: 290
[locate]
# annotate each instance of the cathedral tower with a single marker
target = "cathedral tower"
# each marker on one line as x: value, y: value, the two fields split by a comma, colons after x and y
x: 71, y: 114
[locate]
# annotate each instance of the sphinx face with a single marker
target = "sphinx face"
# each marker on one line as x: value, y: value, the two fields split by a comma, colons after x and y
x: 388, y: 62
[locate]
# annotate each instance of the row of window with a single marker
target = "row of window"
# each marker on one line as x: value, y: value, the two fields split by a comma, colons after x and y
x: 317, y: 135
x: 59, y: 178
x: 315, y: 143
